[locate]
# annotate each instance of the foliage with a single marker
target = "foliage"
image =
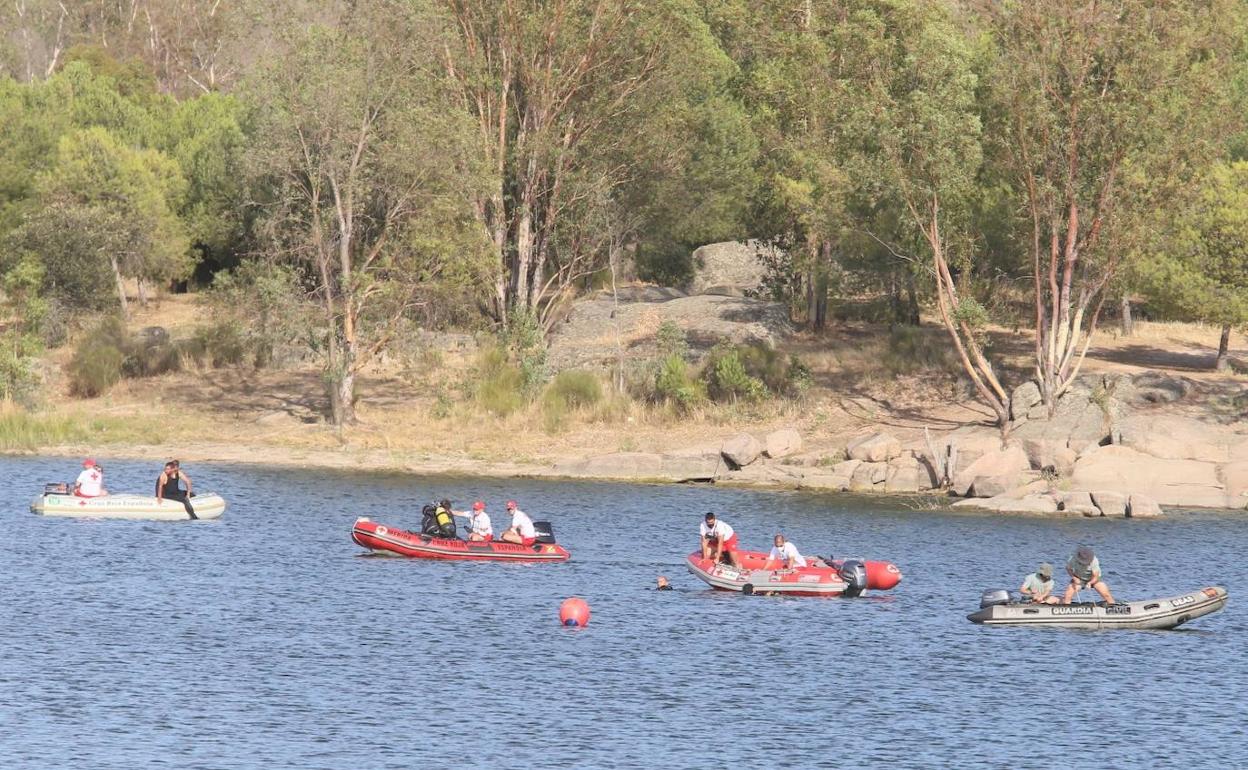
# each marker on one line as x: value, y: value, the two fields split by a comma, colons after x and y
x: 674, y: 384
x: 727, y: 380
x: 264, y: 307
x: 500, y: 385
x: 671, y: 340
x: 571, y: 390
x: 21, y: 339
x: 94, y: 368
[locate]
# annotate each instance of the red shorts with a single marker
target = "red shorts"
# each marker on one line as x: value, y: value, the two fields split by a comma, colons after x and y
x: 483, y: 539
x: 731, y: 543
x: 528, y: 540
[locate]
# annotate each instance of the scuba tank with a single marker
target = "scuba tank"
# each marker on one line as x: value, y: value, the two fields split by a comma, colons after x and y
x: 445, y: 522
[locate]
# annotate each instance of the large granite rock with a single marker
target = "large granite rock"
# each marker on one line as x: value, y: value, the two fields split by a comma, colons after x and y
x: 731, y: 268
x: 1079, y: 502
x: 906, y: 478
x: 782, y: 443
x: 1002, y: 462
x: 992, y: 486
x: 1169, y: 482
x: 741, y: 450
x: 760, y: 475
x: 1038, y: 503
x: 874, y: 448
x: 1109, y: 503
x: 1175, y: 437
x: 1142, y: 507
x: 1022, y: 400
x: 1235, y: 476
x: 867, y: 475
x: 617, y: 465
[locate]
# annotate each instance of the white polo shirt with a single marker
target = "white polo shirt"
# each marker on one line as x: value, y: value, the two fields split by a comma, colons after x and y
x: 522, y: 523
x: 721, y: 530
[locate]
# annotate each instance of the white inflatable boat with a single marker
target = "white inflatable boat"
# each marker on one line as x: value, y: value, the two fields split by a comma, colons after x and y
x: 997, y: 608
x: 206, y: 506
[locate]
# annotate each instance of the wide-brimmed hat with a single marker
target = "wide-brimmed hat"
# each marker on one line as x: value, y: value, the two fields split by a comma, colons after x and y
x: 1084, y: 556
x: 1045, y: 571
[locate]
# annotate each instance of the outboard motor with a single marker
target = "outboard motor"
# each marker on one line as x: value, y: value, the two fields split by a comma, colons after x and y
x: 854, y: 573
x: 993, y: 597
x: 545, y: 532
x: 56, y: 488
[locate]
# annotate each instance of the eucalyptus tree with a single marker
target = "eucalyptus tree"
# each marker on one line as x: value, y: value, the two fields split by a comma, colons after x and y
x: 1103, y: 106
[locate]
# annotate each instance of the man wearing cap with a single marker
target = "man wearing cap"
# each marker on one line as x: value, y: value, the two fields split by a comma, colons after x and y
x: 718, y: 539
x: 90, y: 482
x: 1038, y: 586
x: 521, y: 530
x: 479, y: 527
x: 1085, y: 571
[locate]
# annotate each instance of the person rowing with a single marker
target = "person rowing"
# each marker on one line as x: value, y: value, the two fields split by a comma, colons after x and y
x: 168, y: 487
x: 718, y: 540
x: 784, y: 553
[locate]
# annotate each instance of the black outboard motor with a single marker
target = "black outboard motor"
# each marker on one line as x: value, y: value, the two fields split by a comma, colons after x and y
x: 56, y: 488
x: 993, y: 597
x: 545, y: 532
x: 854, y: 573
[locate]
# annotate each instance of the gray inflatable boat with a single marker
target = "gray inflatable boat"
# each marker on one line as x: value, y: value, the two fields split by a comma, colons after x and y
x: 998, y: 608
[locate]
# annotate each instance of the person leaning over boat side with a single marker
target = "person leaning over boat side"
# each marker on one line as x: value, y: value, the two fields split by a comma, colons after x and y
x: 1038, y: 586
x: 90, y: 482
x: 1085, y: 570
x: 521, y: 530
x: 784, y: 553
x: 167, y: 486
x: 479, y: 528
x: 718, y: 539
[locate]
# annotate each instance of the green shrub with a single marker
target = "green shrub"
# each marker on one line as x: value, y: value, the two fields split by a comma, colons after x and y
x: 220, y: 344
x: 500, y: 385
x: 670, y: 339
x: 576, y: 389
x: 525, y: 344
x: 95, y: 367
x: 674, y: 384
x: 569, y: 391
x: 727, y: 380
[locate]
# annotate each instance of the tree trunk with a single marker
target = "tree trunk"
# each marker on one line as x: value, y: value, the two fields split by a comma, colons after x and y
x: 142, y: 292
x: 1128, y: 323
x: 1223, y: 362
x: 121, y: 286
x: 912, y: 300
x: 342, y: 396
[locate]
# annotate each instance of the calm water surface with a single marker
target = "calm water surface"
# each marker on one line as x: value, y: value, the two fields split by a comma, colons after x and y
x: 265, y: 640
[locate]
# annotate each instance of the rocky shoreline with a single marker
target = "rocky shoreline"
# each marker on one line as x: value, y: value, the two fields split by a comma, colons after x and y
x: 1115, y: 445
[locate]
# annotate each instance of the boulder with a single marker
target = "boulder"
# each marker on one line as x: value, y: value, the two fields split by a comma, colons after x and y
x: 905, y: 478
x: 1142, y: 507
x: 1006, y: 504
x: 782, y: 443
x: 874, y: 448
x: 820, y: 480
x: 1024, y: 398
x: 730, y: 268
x: 1175, y: 437
x: 992, y: 486
x: 1002, y: 462
x: 1169, y: 482
x: 683, y: 467
x: 1049, y: 453
x: 761, y: 476
x: 867, y: 475
x: 741, y: 450
x: 972, y: 442
x: 1156, y: 388
x: 1109, y: 503
x: 618, y: 465
x: 1235, y: 477
x: 1079, y: 502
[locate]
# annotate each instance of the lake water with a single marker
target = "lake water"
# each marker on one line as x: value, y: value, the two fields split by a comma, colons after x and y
x: 266, y: 640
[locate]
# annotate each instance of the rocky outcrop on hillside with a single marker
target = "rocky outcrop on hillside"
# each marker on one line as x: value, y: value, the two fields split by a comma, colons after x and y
x: 598, y: 329
x: 732, y: 268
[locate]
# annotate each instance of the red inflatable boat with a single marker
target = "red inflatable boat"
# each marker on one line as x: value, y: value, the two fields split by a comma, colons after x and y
x: 834, y: 578
x: 382, y: 539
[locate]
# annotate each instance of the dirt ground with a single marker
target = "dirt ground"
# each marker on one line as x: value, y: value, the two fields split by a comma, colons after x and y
x: 277, y: 416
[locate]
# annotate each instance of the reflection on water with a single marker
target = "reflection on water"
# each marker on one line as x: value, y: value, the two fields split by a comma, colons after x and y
x: 262, y: 641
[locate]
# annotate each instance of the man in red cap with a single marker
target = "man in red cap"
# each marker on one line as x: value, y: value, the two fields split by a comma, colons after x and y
x: 521, y: 530
x: 479, y: 527
x: 90, y: 482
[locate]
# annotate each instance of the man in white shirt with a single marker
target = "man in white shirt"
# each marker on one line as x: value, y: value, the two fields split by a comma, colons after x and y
x: 784, y: 553
x: 718, y: 540
x: 479, y: 527
x: 521, y: 530
x: 90, y: 482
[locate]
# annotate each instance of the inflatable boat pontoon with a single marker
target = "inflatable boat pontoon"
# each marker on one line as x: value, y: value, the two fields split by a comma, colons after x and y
x: 998, y: 609
x: 833, y: 578
x: 143, y: 507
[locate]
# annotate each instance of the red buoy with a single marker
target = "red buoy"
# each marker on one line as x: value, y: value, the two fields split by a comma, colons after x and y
x: 574, y: 612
